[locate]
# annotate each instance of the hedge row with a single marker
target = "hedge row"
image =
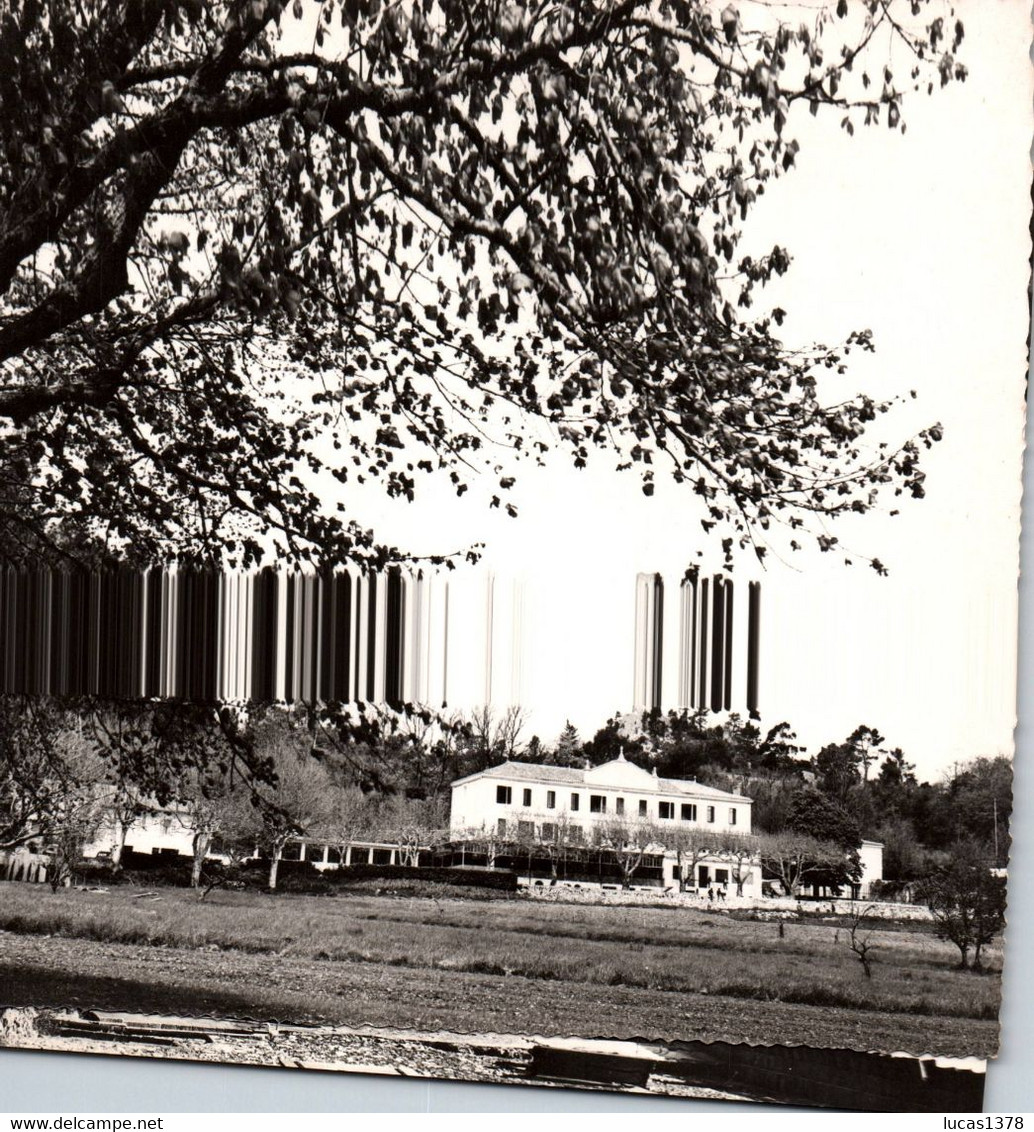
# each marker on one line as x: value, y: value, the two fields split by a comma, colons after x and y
x: 465, y: 878
x: 293, y: 876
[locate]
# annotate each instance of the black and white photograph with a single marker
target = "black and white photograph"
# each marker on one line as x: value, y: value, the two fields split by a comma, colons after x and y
x: 509, y: 538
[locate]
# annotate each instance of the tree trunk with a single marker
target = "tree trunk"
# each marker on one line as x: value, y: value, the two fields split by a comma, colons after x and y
x: 964, y: 952
x: 201, y: 843
x: 274, y: 865
x: 121, y: 833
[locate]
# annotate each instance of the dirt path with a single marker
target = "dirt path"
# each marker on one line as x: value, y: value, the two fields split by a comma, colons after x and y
x: 51, y: 971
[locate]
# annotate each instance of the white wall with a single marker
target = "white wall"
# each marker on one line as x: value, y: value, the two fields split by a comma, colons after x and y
x: 871, y: 857
x: 474, y: 806
x: 151, y: 831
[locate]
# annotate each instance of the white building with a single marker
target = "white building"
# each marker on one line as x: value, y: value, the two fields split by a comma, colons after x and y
x: 166, y: 833
x: 526, y: 801
x: 158, y: 831
x: 870, y: 857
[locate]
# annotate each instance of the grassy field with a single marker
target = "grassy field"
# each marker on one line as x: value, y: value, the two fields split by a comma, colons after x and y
x: 674, y: 951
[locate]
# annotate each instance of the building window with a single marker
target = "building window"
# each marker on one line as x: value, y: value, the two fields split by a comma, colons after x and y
x: 689, y: 811
x: 503, y: 795
x: 527, y: 797
x: 619, y: 807
x: 710, y: 813
x: 501, y: 827
x: 574, y: 801
x: 550, y: 799
x: 548, y: 831
x: 526, y: 829
x: 642, y: 807
x: 732, y: 815
x: 574, y: 834
x: 597, y: 804
x: 666, y: 810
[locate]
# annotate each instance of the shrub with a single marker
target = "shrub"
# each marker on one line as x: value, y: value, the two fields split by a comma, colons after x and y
x: 296, y: 877
x: 967, y: 902
x: 399, y: 877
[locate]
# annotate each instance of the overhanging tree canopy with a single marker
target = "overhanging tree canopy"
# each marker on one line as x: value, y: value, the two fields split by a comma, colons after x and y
x: 245, y: 243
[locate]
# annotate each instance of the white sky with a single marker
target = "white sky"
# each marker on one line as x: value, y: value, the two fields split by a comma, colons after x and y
x: 922, y: 239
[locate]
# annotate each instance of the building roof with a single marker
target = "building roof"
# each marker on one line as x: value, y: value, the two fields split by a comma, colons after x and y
x: 529, y: 772
x: 617, y: 774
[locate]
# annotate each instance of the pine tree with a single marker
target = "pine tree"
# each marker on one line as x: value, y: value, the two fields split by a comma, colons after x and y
x: 568, y: 746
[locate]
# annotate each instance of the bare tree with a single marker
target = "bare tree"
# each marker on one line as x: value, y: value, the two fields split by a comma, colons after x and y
x: 486, y: 839
x: 213, y: 803
x: 628, y: 841
x: 793, y: 857
x: 526, y: 842
x: 412, y: 824
x: 125, y: 808
x: 741, y: 851
x: 37, y: 775
x: 691, y: 846
x: 482, y: 737
x: 508, y: 731
x: 123, y: 802
x: 351, y: 816
x: 861, y: 945
x: 52, y: 785
x: 967, y: 901
x: 298, y: 803
x: 69, y: 832
x: 559, y: 838
x: 493, y: 738
x: 78, y: 811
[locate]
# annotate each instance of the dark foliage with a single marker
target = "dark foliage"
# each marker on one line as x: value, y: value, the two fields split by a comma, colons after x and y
x: 237, y: 235
x: 967, y: 902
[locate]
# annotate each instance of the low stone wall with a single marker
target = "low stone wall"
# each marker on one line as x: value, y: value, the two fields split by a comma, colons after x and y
x: 767, y: 907
x: 594, y: 894
x: 880, y: 910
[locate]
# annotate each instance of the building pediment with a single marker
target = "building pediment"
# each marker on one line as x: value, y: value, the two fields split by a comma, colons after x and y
x: 620, y: 773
